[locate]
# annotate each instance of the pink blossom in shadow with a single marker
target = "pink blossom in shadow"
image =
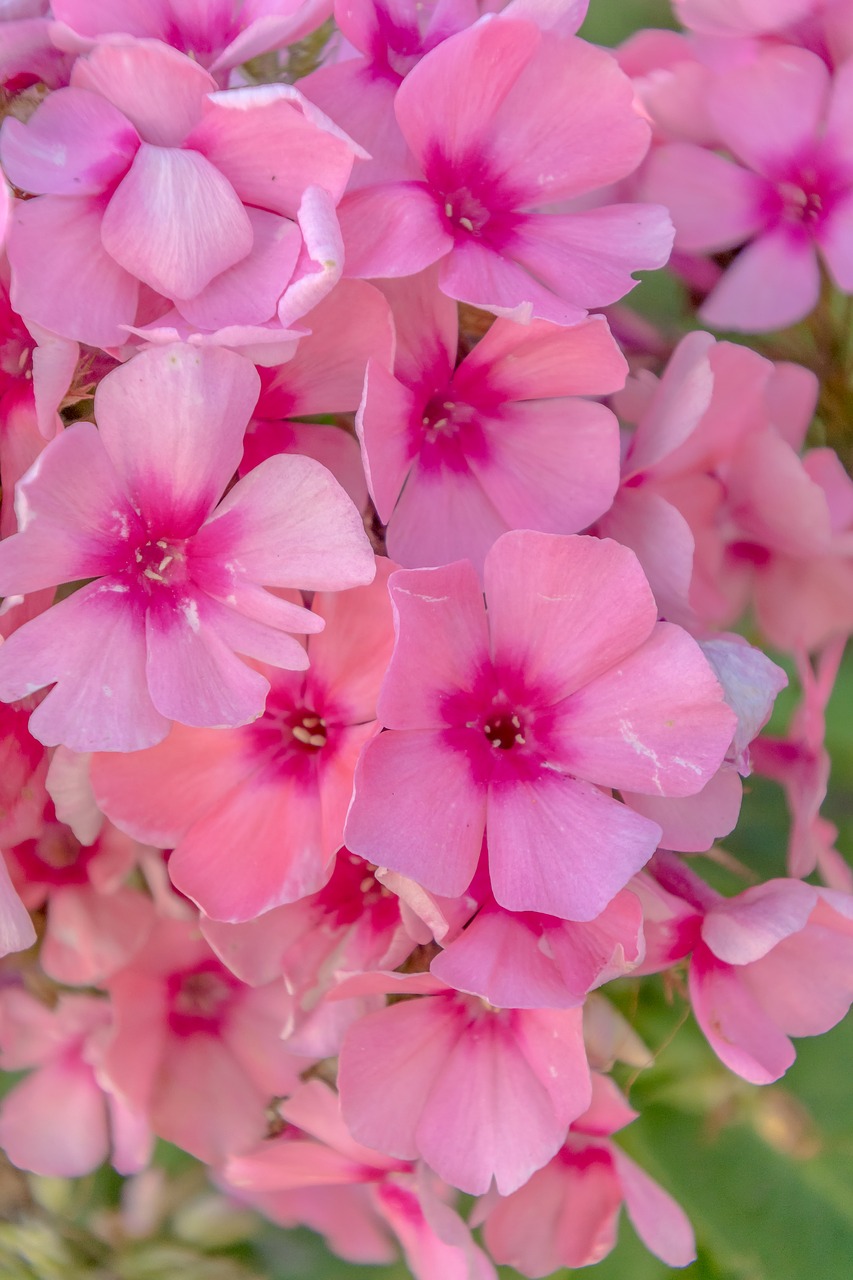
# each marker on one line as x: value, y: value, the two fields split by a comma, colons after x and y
x: 457, y: 455
x: 255, y: 815
x: 522, y: 719
x: 537, y: 118
x: 178, y: 580
x: 352, y: 925
x: 192, y: 1048
x: 312, y: 1170
x: 218, y: 35
x: 567, y: 1214
x: 60, y: 1121
x: 784, y: 192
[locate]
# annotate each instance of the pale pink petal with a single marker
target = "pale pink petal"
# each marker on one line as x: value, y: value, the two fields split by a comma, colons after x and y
x: 447, y: 101
x: 426, y: 325
x: 159, y: 90
x: 552, y: 464
x: 804, y: 983
x: 247, y: 293
x: 271, y: 143
x: 691, y: 824
x: 736, y: 1026
x: 351, y: 91
x: 714, y: 203
x: 487, y: 1115
x: 773, y: 282
x: 680, y: 399
x: 172, y: 420
x: 743, y: 929
x: 332, y: 447
x: 73, y: 517
x: 258, y: 848
x: 541, y: 360
x: 54, y: 1122
x: 75, y: 144
x: 101, y: 700
x: 16, y: 927
x: 436, y: 844
x: 550, y: 620
x: 394, y: 229
x: 386, y: 428
x: 350, y: 657
x: 91, y: 935
x: 326, y: 375
x: 289, y: 523
x: 562, y: 847
x: 499, y: 958
x: 443, y: 514
x: 193, y: 675
x: 477, y: 273
x: 835, y: 238
x: 661, y: 539
x: 175, y: 222
x: 63, y: 278
x: 587, y: 258
x: 251, y: 624
x: 568, y: 125
x: 388, y: 1065
x: 187, y: 772
x: 54, y: 365
x: 321, y: 260
x: 661, y: 1224
x: 441, y: 622
x: 656, y: 723
x: 770, y: 110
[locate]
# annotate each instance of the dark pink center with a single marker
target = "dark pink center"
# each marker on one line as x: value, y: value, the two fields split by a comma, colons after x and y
x: 160, y: 562
x: 199, y: 999
x: 505, y: 731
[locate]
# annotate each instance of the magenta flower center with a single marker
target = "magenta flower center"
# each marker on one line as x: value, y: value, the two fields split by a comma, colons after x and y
x: 309, y: 730
x: 160, y: 563
x: 505, y: 731
x: 198, y: 999
x: 465, y: 212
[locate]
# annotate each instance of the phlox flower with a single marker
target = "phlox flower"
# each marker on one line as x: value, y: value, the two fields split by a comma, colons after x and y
x: 786, y: 193
x: 774, y: 962
x: 193, y: 1049
x: 504, y: 121
x: 567, y: 1214
x: 477, y: 1092
x: 457, y: 455
x: 218, y: 35
x: 314, y: 1172
x: 223, y: 203
x: 178, y: 581
x: 255, y: 815
x: 522, y: 718
x: 59, y: 1121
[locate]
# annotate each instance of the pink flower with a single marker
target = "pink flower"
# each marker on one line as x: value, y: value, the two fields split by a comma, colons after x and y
x: 503, y: 121
x: 776, y: 961
x: 192, y: 1049
x: 476, y: 1092
x: 59, y: 1121
x: 456, y: 456
x: 522, y: 719
x: 219, y: 35
x: 255, y: 815
x: 787, y: 194
x: 221, y: 202
x: 178, y: 580
x: 567, y: 1214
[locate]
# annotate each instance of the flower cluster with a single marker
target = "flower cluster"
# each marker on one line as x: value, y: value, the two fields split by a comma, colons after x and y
x: 386, y: 605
